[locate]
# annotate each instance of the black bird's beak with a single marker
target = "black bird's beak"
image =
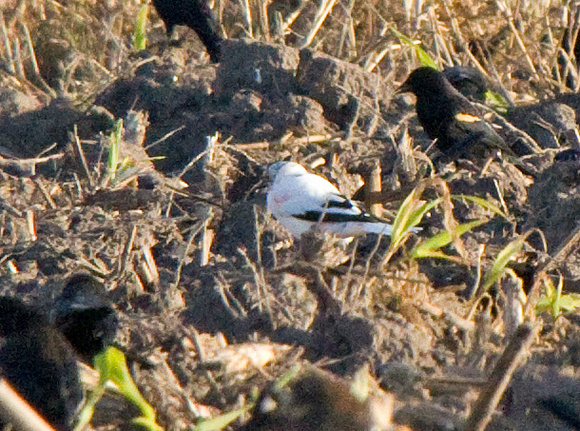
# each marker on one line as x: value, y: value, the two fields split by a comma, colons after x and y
x: 403, y: 88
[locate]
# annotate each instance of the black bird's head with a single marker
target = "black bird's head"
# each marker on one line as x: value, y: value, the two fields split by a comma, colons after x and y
x: 425, y: 81
x: 85, y: 316
x: 82, y: 285
x: 469, y: 81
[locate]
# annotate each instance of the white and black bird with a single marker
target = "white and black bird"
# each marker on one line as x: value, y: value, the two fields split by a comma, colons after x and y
x: 301, y: 201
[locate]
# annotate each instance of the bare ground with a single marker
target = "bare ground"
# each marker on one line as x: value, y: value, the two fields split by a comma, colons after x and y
x: 216, y: 300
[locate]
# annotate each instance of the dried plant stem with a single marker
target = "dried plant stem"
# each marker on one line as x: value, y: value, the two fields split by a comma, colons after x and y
x: 526, y: 139
x: 448, y: 316
x: 261, y: 284
x: 30, y: 225
x: 207, y: 236
x: 94, y: 268
x: 45, y: 193
x: 262, y: 7
x: 148, y: 268
x: 35, y: 69
x: 20, y: 74
x: 10, y: 209
x: 192, y: 236
x: 15, y: 410
x: 82, y: 158
x: 323, y: 11
x: 347, y: 30
x: 373, y: 188
x: 247, y: 13
x: 513, y: 355
x: 474, y: 61
x: 202, y: 364
x: 125, y: 257
x: 443, y: 50
x: 374, y: 58
x: 510, y: 20
x: 293, y: 16
x: 164, y: 138
x: 311, y: 139
x: 10, y: 66
x: 459, y: 36
x: 28, y: 166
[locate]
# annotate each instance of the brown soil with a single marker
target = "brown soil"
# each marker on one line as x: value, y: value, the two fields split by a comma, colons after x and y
x: 215, y: 298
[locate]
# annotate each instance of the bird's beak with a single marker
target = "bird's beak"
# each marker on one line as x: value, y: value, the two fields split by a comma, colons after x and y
x: 403, y: 88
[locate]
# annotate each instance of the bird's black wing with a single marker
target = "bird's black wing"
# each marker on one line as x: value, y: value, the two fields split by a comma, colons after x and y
x: 471, y: 135
x: 316, y: 216
x: 339, y: 209
x: 197, y: 15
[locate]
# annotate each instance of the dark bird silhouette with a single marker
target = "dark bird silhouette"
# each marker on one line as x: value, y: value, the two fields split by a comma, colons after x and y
x: 39, y: 363
x: 468, y: 81
x: 313, y: 401
x: 85, y: 317
x: 448, y: 116
x: 197, y: 15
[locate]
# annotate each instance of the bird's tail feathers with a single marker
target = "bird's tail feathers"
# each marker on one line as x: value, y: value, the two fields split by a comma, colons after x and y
x: 379, y: 228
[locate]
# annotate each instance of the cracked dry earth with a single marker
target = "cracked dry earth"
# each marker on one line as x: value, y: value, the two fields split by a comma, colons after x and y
x: 216, y: 300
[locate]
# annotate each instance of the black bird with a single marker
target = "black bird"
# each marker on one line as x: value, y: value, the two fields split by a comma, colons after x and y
x: 39, y: 363
x: 197, y: 15
x: 85, y: 317
x: 448, y: 116
x: 468, y: 81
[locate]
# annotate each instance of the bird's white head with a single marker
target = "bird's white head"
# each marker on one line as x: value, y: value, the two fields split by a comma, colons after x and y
x: 285, y: 168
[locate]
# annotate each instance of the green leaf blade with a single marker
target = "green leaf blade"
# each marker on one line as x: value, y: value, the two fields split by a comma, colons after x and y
x: 431, y: 247
x: 139, y: 37
x: 424, y: 58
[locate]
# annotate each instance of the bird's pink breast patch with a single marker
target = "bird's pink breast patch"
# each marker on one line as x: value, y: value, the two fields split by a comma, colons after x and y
x: 280, y: 199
